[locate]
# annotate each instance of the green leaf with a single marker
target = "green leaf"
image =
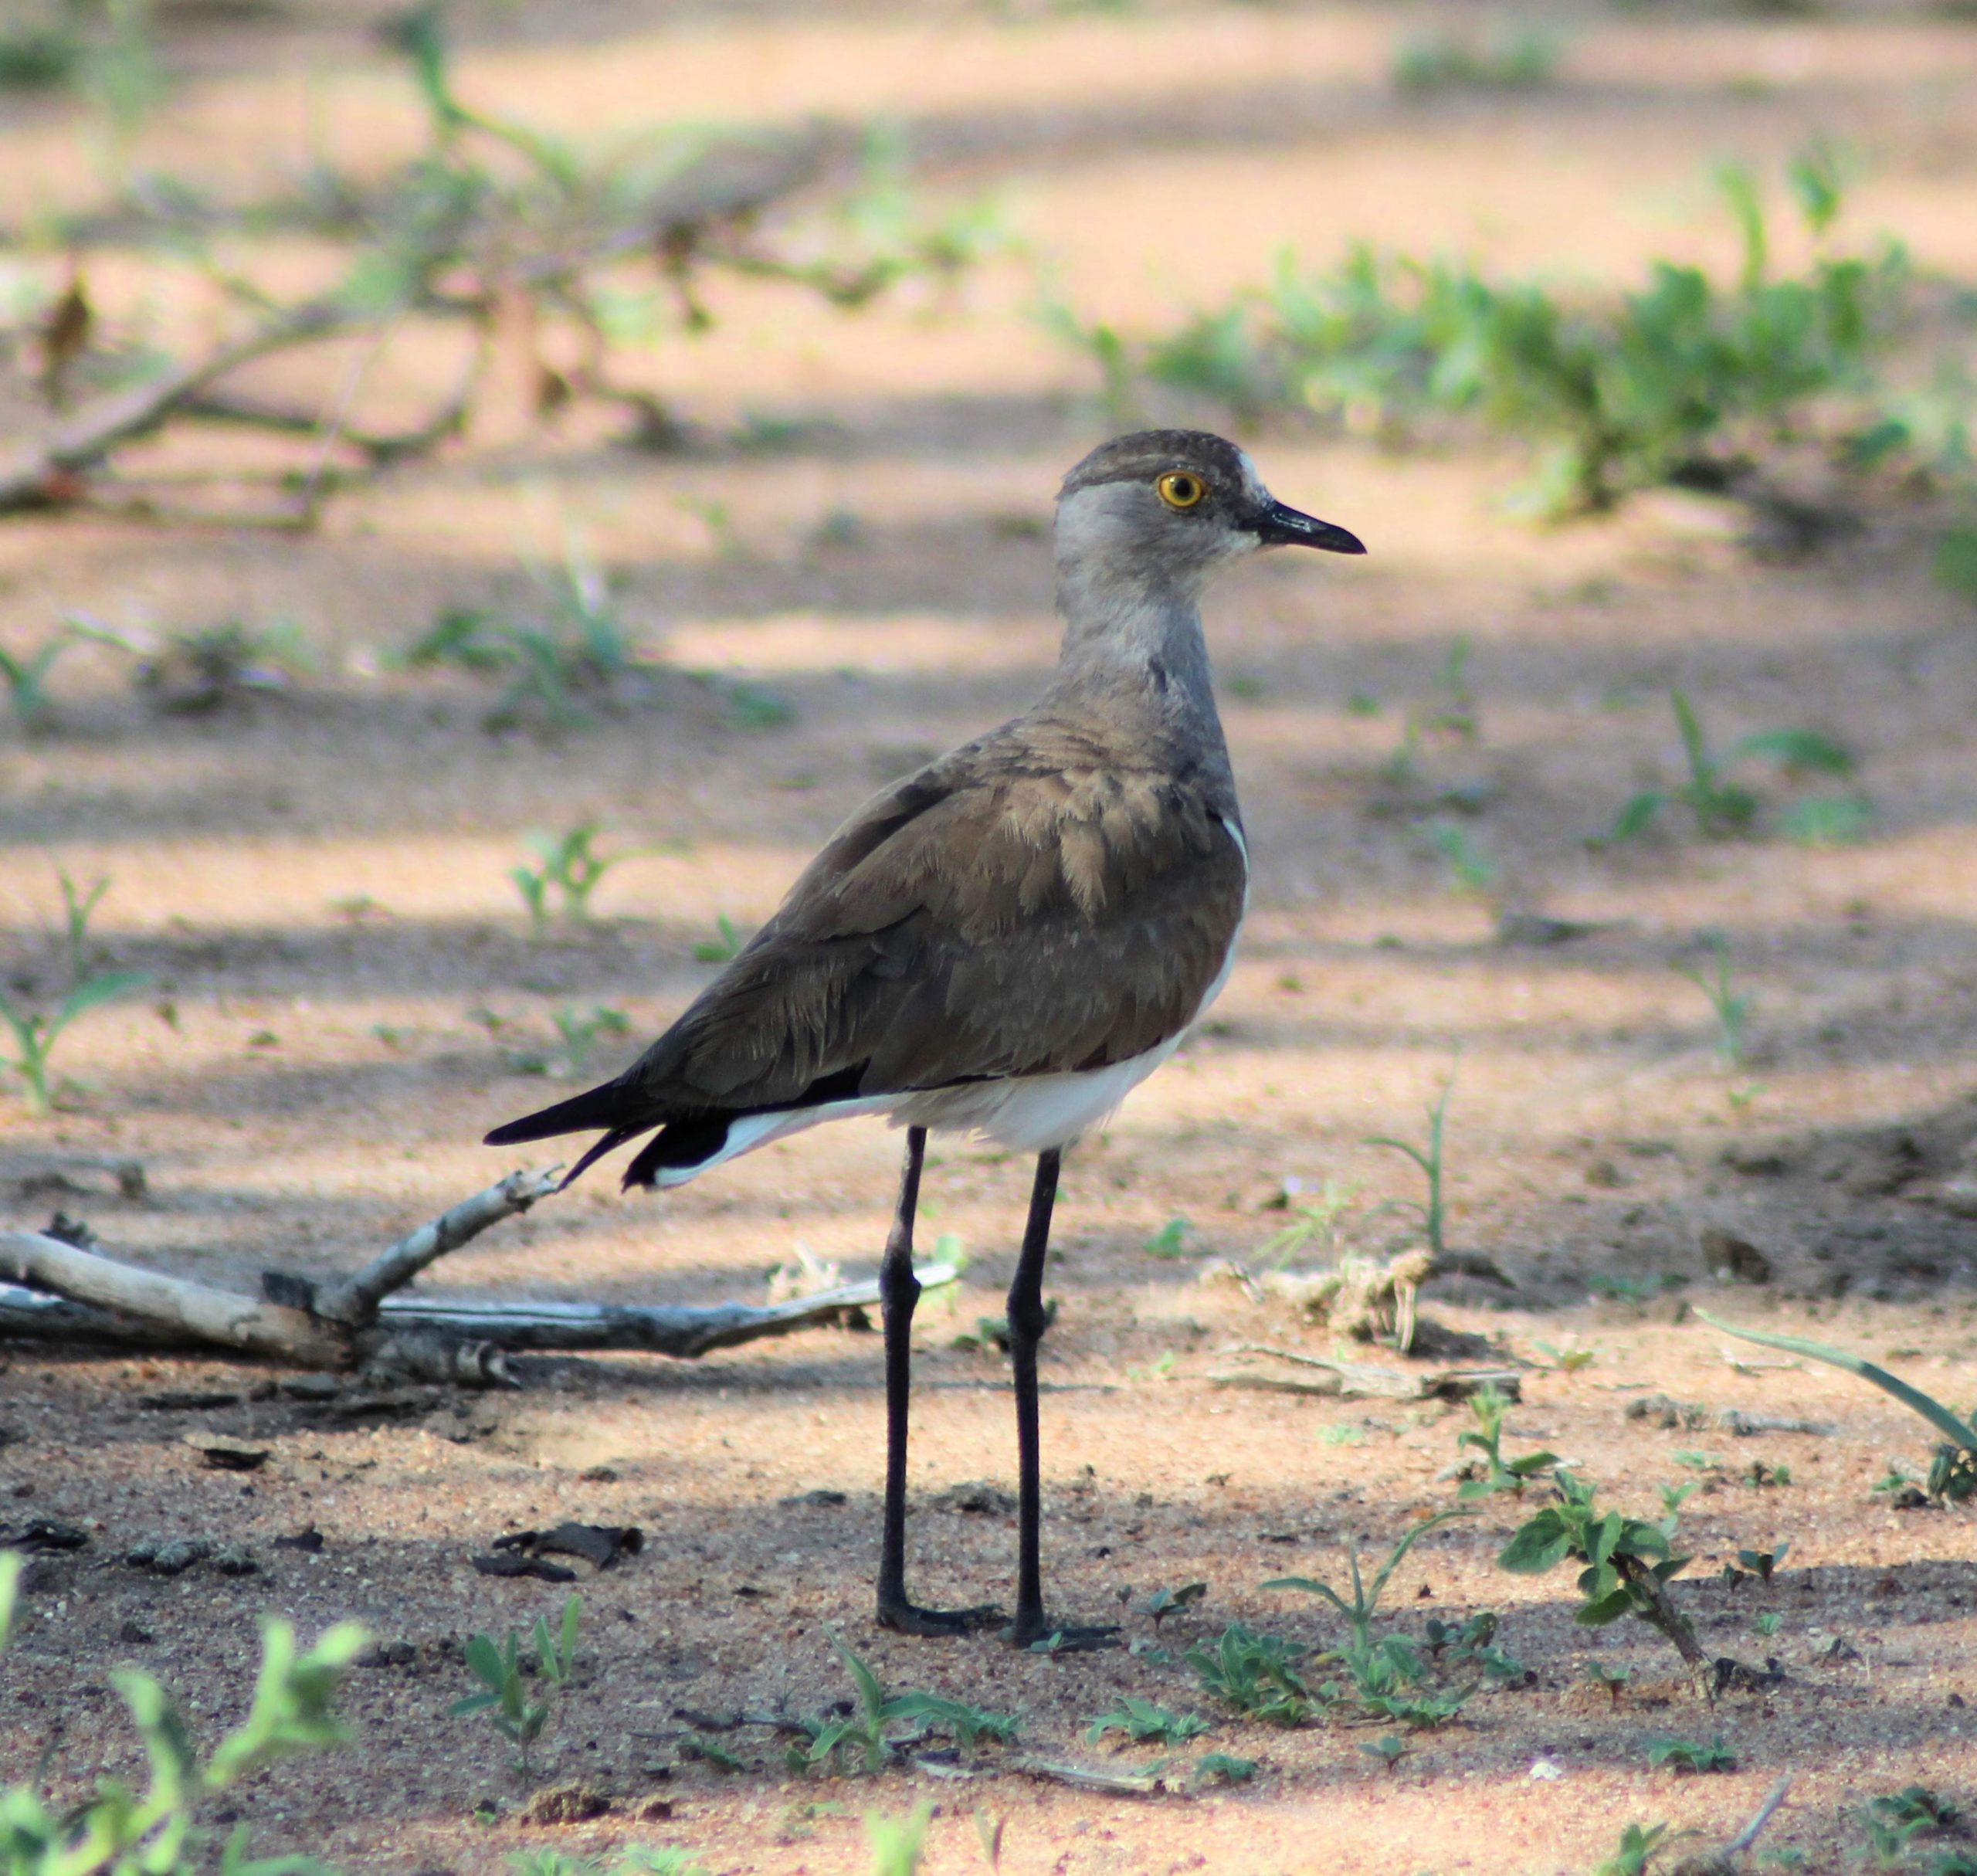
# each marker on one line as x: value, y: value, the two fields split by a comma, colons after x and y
x: 1959, y: 1432
x: 1541, y: 1543
x: 484, y: 1661
x: 1800, y: 749
x: 97, y: 990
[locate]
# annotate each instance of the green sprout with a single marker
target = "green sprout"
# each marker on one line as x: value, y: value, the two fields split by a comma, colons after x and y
x: 35, y: 1036
x: 504, y: 1699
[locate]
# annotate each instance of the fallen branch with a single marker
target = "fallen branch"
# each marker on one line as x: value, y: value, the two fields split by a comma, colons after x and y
x: 69, y: 1293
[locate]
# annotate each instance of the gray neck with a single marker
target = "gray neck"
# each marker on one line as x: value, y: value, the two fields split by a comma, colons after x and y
x: 1137, y: 655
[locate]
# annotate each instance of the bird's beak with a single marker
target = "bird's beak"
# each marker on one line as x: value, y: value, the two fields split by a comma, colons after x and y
x: 1277, y: 526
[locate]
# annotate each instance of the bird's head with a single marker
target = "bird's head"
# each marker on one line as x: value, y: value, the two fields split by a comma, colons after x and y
x: 1161, y: 510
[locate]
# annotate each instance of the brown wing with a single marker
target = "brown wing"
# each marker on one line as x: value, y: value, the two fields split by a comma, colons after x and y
x: 1002, y: 913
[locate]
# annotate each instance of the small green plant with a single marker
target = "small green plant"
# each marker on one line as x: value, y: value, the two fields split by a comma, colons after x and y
x: 898, y: 1842
x: 1389, y: 1750
x: 724, y: 946
x: 1614, y: 1679
x: 27, y: 676
x: 1491, y: 1409
x: 119, y: 1832
x: 1474, y: 1641
x: 1102, y: 344
x: 1628, y: 1563
x: 755, y: 706
x: 504, y: 1698
x: 859, y: 1741
x: 1432, y: 1210
x: 1686, y: 378
x: 1319, y: 1221
x: 568, y: 871
x: 582, y: 652
x: 1385, y: 1675
x: 1471, y: 871
x: 633, y: 1860
x: 35, y: 1036
x: 1952, y: 1475
x: 78, y: 908
x: 1723, y: 808
x: 1638, y: 1845
x: 1516, y: 59
x: 1732, y: 1007
x: 1226, y: 1766
x: 1164, y: 1602
x: 1894, y: 1821
x: 1256, y: 1674
x: 1171, y: 1241
x: 1143, y: 1723
x: 1691, y: 1754
x: 1767, y: 1625
x: 1674, y: 1497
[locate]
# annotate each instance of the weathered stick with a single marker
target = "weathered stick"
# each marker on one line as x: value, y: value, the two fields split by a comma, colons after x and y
x: 687, y: 1331
x: 69, y: 1293
x: 38, y: 475
x: 354, y: 1301
x: 200, y: 1313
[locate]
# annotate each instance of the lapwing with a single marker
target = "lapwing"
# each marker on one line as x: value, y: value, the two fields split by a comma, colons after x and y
x: 1005, y: 944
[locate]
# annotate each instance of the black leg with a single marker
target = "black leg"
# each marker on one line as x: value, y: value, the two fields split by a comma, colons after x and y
x: 1027, y: 1323
x: 899, y: 1293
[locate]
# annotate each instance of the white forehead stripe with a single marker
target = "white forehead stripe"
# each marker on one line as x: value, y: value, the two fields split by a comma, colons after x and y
x: 1253, y: 483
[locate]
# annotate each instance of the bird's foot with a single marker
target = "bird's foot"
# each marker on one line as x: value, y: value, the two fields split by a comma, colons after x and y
x: 1041, y: 1635
x: 909, y: 1619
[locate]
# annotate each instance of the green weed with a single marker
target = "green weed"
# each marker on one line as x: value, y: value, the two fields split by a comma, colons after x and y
x: 35, y: 1036
x: 1952, y: 1476
x: 1256, y: 1674
x: 78, y: 908
x: 1686, y: 378
x: 1389, y: 1750
x: 633, y: 1860
x: 121, y: 1832
x: 1491, y: 1409
x: 898, y: 1842
x: 1516, y: 59
x: 1471, y: 870
x: 1226, y: 1766
x: 1691, y: 1754
x: 1102, y: 343
x: 725, y: 945
x: 26, y: 678
x: 1730, y: 1006
x: 1172, y: 1240
x: 859, y: 1740
x: 1144, y: 1723
x: 578, y: 1033
x: 1724, y: 808
x: 568, y: 871
x: 504, y: 1698
x: 1164, y: 1602
x: 1628, y: 1561
x: 1637, y: 1849
x: 1319, y: 1221
x: 1432, y: 1210
x: 1387, y: 1676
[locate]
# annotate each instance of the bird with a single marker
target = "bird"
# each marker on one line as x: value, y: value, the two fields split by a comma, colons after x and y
x: 1005, y: 943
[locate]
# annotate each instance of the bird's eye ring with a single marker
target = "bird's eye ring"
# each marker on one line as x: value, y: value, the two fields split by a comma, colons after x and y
x: 1181, y: 490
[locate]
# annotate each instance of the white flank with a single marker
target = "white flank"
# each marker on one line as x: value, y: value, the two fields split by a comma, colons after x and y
x: 1029, y: 1114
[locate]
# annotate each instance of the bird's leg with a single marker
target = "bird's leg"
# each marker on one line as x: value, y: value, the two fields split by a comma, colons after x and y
x: 899, y: 1293
x: 1027, y: 1323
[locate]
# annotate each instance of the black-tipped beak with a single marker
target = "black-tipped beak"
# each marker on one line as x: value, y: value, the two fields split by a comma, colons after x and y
x: 1278, y: 526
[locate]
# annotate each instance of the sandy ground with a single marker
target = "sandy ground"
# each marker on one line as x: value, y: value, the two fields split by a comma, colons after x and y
x: 316, y: 882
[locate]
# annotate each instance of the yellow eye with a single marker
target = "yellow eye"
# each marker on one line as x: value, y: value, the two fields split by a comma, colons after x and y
x: 1180, y: 489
